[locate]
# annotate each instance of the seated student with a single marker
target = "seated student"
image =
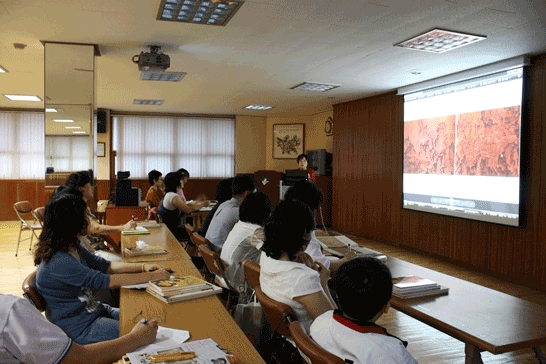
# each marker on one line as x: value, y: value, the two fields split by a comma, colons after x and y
x: 364, y: 290
x: 199, y: 199
x: 246, y: 238
x: 67, y: 274
x: 302, y: 164
x: 311, y: 194
x: 287, y: 274
x: 155, y: 192
x: 227, y: 214
x: 172, y: 208
x: 27, y: 337
x: 223, y: 193
x: 97, y: 232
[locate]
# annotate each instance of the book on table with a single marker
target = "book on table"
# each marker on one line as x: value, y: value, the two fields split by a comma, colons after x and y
x: 148, y: 224
x: 415, y: 286
x: 148, y: 250
x: 139, y: 230
x: 184, y: 288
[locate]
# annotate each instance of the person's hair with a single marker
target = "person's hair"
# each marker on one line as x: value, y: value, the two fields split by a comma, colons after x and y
x: 286, y: 229
x: 153, y: 175
x: 79, y: 179
x: 64, y: 219
x: 223, y: 191
x: 306, y: 192
x: 63, y: 190
x: 241, y: 184
x: 255, y: 209
x: 301, y: 156
x: 172, y: 181
x: 363, y: 286
x: 184, y: 173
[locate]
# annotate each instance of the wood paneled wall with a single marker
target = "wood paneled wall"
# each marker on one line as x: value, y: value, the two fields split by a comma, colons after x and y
x: 367, y: 191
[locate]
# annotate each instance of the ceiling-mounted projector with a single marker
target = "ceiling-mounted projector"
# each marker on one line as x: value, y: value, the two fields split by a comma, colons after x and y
x: 152, y: 61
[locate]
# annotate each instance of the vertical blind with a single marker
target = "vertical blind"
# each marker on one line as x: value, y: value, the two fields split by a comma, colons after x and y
x: 21, y: 145
x: 205, y: 147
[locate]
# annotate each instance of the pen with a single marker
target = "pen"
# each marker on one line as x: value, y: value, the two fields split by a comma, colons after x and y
x: 144, y: 321
x: 133, y: 217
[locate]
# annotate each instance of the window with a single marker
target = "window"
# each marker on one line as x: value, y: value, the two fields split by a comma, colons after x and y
x: 205, y: 147
x: 68, y: 153
x: 22, y: 145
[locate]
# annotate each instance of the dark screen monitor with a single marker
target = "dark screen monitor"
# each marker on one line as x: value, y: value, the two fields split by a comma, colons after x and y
x: 294, y: 175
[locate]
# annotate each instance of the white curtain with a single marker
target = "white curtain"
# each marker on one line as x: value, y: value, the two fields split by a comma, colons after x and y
x: 205, y: 147
x: 68, y: 153
x: 22, y: 145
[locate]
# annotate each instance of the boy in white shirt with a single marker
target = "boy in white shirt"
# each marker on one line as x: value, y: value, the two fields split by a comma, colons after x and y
x: 364, y: 290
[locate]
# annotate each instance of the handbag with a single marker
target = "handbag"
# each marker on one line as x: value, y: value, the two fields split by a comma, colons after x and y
x: 251, y: 319
x: 279, y: 350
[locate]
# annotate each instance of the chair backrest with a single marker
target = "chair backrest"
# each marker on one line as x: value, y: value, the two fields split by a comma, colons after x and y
x: 214, y: 263
x: 30, y: 292
x: 252, y: 273
x: 278, y: 314
x: 199, y: 240
x: 309, y: 347
x: 23, y: 209
x: 189, y: 229
x: 38, y: 214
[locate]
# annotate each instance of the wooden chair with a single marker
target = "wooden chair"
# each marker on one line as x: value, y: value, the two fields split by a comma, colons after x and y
x: 252, y: 274
x: 312, y: 352
x: 199, y: 240
x: 278, y: 314
x: 23, y: 209
x: 31, y: 294
x: 190, y: 246
x: 218, y: 268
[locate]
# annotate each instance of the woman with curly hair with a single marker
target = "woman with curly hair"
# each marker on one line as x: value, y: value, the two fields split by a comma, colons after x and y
x: 67, y: 274
x: 287, y: 273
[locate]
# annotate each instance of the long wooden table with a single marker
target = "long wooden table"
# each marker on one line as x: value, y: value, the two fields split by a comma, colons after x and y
x: 204, y: 317
x: 482, y: 318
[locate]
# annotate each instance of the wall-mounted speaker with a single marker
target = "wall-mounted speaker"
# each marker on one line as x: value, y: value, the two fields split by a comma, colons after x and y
x: 101, y: 121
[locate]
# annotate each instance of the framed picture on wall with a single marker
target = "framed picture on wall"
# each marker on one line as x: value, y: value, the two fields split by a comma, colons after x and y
x: 101, y: 149
x: 288, y: 140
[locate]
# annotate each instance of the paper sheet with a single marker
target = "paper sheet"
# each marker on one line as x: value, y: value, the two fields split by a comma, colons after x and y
x: 207, y: 352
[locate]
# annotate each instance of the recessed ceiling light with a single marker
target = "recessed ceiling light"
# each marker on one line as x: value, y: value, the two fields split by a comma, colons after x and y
x: 314, y: 86
x: 72, y: 127
x: 23, y: 97
x: 162, y: 76
x: 63, y: 120
x: 415, y: 72
x: 3, y: 70
x: 439, y: 41
x: 211, y: 12
x: 258, y: 107
x: 148, y: 102
x: 79, y: 132
x: 52, y: 109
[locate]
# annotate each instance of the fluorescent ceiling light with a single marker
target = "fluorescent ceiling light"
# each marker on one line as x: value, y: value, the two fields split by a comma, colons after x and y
x: 23, y: 97
x: 162, y: 76
x: 148, y: 102
x: 72, y: 127
x: 50, y: 109
x: 211, y: 12
x: 63, y: 120
x: 3, y: 70
x: 439, y: 41
x: 79, y: 132
x: 315, y: 87
x: 258, y: 107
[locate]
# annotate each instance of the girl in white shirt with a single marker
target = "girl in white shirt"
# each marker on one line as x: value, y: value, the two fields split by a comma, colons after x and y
x: 287, y: 273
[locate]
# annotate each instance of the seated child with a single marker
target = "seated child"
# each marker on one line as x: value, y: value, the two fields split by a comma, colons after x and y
x: 364, y: 290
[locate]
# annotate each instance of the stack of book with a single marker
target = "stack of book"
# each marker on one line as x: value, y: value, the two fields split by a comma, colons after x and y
x: 414, y: 286
x: 139, y: 230
x: 146, y: 250
x: 184, y: 288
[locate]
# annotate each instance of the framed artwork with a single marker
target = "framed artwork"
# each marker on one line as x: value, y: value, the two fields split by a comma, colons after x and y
x: 101, y: 149
x: 288, y: 140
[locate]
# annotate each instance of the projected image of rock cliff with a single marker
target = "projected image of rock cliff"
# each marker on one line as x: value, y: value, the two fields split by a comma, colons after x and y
x: 429, y: 145
x: 488, y: 143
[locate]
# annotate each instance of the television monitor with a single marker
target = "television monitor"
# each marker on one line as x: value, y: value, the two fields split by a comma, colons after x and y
x: 462, y: 148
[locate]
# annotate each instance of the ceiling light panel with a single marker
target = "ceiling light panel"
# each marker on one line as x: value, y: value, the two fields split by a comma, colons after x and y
x: 148, y: 102
x: 79, y: 132
x: 214, y: 12
x: 3, y: 70
x: 23, y: 98
x: 63, y: 120
x: 439, y: 41
x: 315, y: 87
x: 162, y: 76
x: 72, y: 127
x: 258, y: 107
